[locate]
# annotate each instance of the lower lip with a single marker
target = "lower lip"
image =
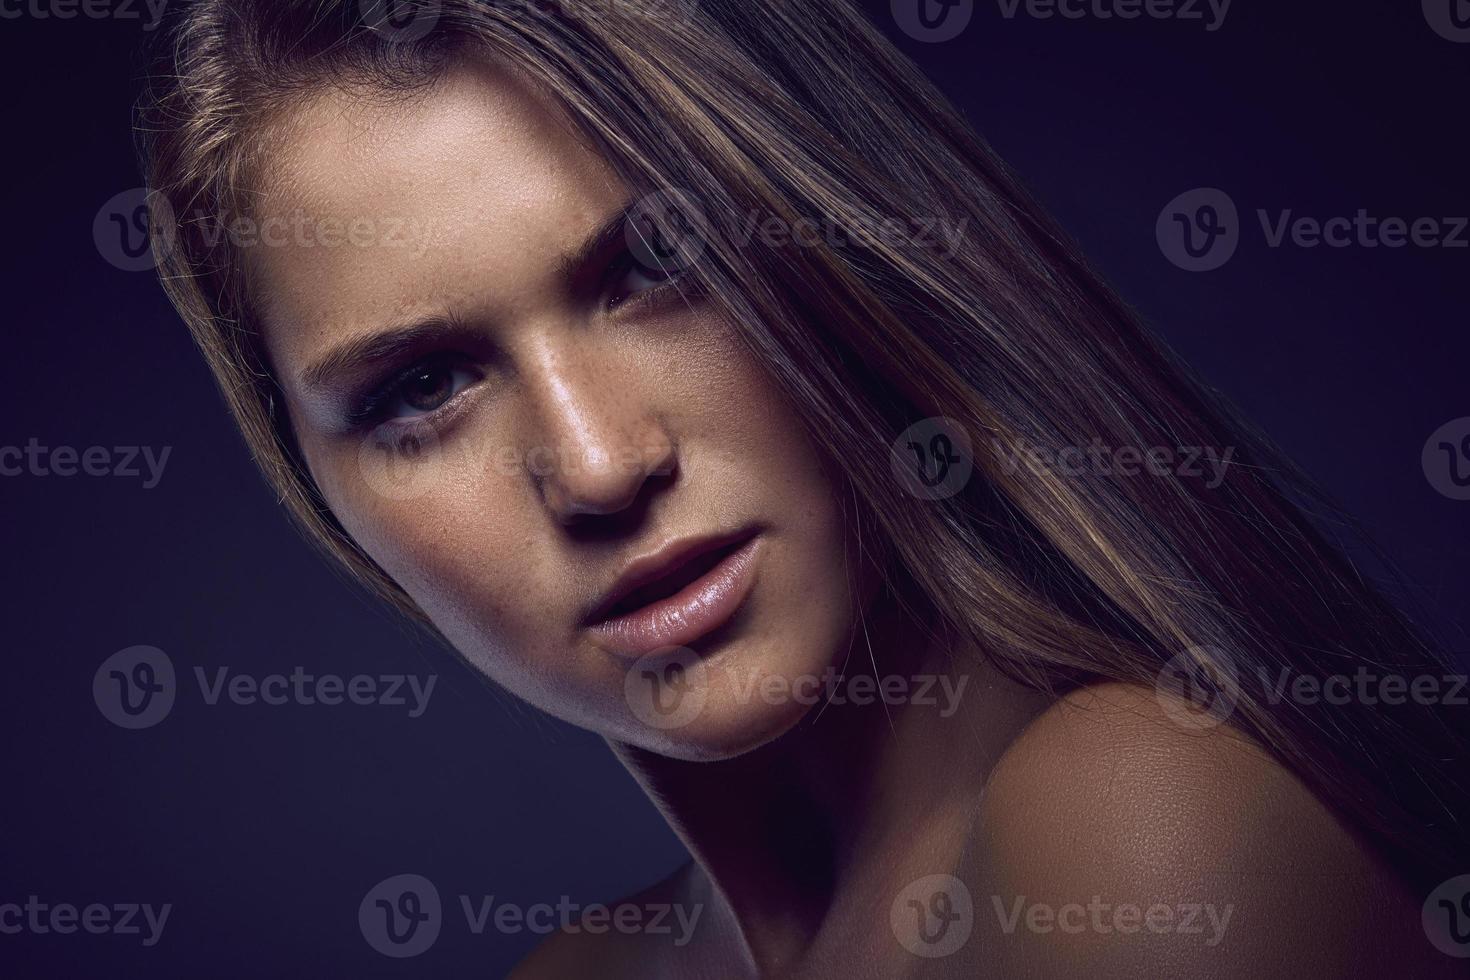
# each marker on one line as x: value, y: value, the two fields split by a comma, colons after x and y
x: 696, y: 610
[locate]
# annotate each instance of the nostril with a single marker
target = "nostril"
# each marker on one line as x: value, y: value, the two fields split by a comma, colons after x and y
x: 584, y: 487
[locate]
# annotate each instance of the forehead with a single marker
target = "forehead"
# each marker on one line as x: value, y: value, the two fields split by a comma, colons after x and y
x: 457, y: 198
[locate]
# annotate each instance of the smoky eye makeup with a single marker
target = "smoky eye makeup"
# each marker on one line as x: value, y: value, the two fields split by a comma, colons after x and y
x: 627, y: 284
x: 631, y: 285
x: 422, y: 390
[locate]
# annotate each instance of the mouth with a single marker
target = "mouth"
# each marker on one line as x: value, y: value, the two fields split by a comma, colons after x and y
x: 675, y: 596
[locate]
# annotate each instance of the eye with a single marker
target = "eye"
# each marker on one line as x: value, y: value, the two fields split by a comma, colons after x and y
x: 628, y: 278
x: 421, y: 390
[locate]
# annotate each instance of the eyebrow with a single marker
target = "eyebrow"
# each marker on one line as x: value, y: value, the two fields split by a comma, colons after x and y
x: 388, y: 344
x: 396, y: 341
x: 569, y: 265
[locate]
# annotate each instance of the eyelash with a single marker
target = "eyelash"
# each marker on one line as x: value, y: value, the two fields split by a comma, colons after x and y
x: 652, y: 297
x: 372, y: 408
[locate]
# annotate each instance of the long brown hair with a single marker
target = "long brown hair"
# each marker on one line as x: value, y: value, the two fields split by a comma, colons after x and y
x: 804, y: 112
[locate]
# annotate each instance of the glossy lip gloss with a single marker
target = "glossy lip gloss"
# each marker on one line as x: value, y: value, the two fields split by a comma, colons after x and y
x: 696, y: 610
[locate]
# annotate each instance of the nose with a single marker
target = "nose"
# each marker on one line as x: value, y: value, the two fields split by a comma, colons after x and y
x: 600, y: 445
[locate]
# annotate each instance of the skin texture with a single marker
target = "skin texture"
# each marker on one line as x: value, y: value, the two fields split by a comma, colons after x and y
x: 643, y: 426
x: 806, y: 824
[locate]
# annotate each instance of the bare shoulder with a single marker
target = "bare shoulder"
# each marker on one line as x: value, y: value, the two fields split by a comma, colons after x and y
x: 1118, y: 833
x: 598, y: 945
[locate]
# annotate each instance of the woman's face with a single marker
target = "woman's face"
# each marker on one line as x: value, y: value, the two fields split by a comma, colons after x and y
x: 519, y: 422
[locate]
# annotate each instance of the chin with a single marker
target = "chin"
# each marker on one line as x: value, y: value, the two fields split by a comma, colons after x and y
x: 714, y: 708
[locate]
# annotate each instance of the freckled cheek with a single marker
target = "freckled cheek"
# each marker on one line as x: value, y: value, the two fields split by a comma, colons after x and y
x: 462, y: 542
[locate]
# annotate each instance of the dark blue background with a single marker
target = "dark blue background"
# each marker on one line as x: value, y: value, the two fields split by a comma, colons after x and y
x: 265, y: 826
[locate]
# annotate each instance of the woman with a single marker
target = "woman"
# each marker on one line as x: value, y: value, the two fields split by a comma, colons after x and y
x: 703, y: 380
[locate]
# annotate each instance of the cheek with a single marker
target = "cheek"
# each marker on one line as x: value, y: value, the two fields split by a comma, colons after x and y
x: 779, y: 456
x: 454, y: 529
x: 816, y: 581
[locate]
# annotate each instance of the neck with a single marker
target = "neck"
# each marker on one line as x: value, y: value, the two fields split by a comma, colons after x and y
x: 854, y: 795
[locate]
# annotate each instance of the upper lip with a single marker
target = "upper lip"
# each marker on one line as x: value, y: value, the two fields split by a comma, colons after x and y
x: 662, y: 562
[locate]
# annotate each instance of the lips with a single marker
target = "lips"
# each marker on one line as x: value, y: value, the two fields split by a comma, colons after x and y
x: 673, y: 597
